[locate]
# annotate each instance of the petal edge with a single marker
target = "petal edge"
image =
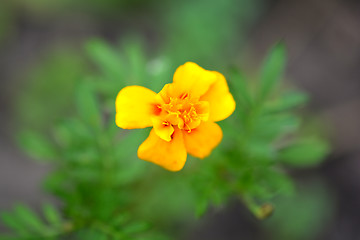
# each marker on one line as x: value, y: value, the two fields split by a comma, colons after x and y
x: 203, y: 139
x: 135, y: 105
x: 222, y: 103
x: 193, y: 79
x: 169, y: 155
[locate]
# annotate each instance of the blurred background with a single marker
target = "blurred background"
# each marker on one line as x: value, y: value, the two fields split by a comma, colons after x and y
x: 42, y: 52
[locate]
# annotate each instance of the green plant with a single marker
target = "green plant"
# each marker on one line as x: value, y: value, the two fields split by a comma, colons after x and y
x: 107, y: 193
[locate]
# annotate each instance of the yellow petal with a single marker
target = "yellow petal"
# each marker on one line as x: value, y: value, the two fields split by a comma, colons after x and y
x: 202, y: 110
x: 169, y: 155
x: 135, y: 106
x: 192, y: 79
x: 203, y: 139
x: 222, y: 103
x: 166, y: 92
x: 163, y: 128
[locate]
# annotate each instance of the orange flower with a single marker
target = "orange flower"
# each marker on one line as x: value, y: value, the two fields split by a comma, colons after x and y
x: 182, y: 115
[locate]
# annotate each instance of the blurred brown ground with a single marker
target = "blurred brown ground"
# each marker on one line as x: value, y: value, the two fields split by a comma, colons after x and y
x: 323, y: 38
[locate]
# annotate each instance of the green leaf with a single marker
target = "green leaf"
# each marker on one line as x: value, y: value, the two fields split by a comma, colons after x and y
x: 12, y: 222
x: 272, y: 71
x: 112, y: 66
x: 304, y: 153
x: 88, y: 105
x: 135, y: 227
x: 120, y: 219
x: 238, y: 84
x: 63, y: 134
x: 269, y: 127
x: 55, y: 182
x: 287, y: 102
x: 71, y: 133
x: 29, y: 218
x: 261, y: 152
x: 51, y: 215
x: 201, y: 207
x: 36, y: 145
x: 92, y: 234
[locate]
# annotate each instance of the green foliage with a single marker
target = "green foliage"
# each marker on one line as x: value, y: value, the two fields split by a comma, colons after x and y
x: 304, y: 153
x: 66, y: 112
x: 110, y: 63
x: 261, y: 136
x: 108, y: 193
x: 36, y: 145
x: 28, y: 225
x: 287, y: 101
x: 272, y: 71
x: 87, y: 105
x: 243, y: 96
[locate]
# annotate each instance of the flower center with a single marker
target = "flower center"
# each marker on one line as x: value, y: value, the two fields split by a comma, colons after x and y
x: 185, y: 112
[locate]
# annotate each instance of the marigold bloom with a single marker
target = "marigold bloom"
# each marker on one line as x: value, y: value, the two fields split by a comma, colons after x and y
x: 182, y: 115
